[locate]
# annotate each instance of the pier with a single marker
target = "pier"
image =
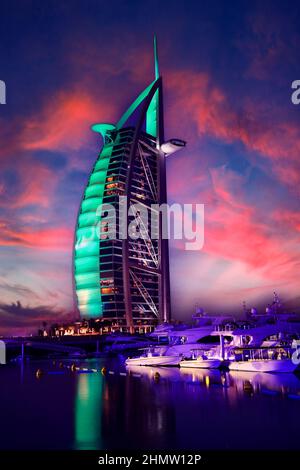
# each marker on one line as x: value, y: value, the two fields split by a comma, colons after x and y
x: 37, y: 344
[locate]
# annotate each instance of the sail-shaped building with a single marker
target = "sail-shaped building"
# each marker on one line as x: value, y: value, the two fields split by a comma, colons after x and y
x: 125, y: 280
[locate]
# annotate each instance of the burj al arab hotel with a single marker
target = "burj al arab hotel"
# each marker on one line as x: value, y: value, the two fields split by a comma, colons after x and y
x: 125, y: 281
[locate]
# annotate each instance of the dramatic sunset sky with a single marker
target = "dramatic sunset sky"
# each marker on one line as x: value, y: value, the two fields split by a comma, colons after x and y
x: 227, y: 68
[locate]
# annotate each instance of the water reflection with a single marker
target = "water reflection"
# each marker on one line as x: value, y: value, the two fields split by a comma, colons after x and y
x: 146, y: 407
x: 176, y: 408
x: 135, y: 409
x: 285, y: 384
x: 88, y: 411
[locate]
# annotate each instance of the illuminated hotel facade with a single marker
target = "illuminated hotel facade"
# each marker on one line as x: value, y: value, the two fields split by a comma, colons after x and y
x: 124, y: 280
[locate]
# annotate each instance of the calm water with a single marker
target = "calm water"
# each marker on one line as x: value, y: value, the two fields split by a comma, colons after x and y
x: 181, y: 410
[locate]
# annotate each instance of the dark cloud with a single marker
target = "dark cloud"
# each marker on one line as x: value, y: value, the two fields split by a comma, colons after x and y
x: 18, y: 289
x: 24, y: 319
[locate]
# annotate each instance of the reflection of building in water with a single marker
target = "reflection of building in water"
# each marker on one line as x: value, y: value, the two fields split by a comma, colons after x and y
x: 138, y: 414
x: 88, y: 410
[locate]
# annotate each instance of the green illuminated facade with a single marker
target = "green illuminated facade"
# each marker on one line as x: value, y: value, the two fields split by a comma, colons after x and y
x: 125, y: 281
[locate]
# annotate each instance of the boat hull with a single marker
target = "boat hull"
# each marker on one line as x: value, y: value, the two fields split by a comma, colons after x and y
x: 276, y: 366
x: 154, y: 361
x: 202, y: 363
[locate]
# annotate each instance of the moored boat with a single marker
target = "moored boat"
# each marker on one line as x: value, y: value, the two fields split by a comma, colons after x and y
x: 282, y: 366
x: 277, y: 360
x: 201, y: 363
x: 154, y: 357
x: 179, y: 341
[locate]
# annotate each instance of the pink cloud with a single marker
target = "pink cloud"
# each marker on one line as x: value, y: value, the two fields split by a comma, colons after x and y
x: 235, y: 232
x: 202, y: 103
x: 288, y: 218
x: 57, y: 239
x: 38, y: 183
x: 64, y: 122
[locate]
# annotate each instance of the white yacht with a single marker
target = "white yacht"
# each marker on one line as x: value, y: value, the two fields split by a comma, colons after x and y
x: 201, y: 362
x: 154, y: 357
x: 218, y: 336
x: 277, y: 360
x: 265, y: 341
x: 176, y: 342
